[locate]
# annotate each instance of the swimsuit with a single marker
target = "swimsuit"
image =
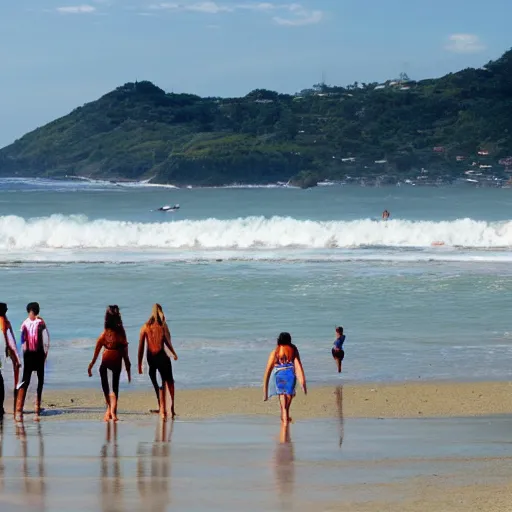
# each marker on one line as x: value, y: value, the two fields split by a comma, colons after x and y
x: 115, y: 346
x: 160, y: 362
x: 337, y: 349
x: 284, y: 379
x: 33, y: 333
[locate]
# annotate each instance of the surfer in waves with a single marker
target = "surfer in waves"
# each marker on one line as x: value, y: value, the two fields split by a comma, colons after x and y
x: 385, y: 215
x: 168, y: 208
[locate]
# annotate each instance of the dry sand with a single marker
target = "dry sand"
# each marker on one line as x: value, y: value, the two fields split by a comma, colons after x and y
x: 407, y: 400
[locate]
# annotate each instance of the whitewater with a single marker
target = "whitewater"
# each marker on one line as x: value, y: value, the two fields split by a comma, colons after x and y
x: 25, y: 238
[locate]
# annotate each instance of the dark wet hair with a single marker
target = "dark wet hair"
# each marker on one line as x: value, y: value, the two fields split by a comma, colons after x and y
x: 34, y: 307
x: 339, y: 330
x: 3, y: 308
x: 113, y: 319
x: 284, y: 339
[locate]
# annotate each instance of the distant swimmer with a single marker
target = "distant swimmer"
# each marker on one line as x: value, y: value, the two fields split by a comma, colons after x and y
x: 385, y: 215
x: 168, y: 208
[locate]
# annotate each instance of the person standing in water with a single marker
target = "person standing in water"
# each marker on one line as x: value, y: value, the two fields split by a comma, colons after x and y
x: 284, y: 362
x: 113, y: 341
x: 157, y: 335
x: 10, y: 353
x: 337, y: 349
x: 385, y: 215
x: 35, y: 345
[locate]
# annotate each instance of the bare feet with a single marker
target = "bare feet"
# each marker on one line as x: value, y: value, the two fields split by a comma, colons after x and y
x: 108, y: 415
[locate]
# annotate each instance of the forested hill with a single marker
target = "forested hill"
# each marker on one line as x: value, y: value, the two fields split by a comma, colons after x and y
x: 435, y: 129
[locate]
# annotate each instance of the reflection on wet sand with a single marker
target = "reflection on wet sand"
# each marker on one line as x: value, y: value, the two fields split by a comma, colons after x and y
x: 2, y: 465
x: 284, y: 464
x: 339, y: 406
x: 153, y: 481
x: 111, y: 479
x: 33, y: 467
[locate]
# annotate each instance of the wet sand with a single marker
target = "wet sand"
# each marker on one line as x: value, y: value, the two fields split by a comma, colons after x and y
x: 251, y: 464
x: 408, y: 400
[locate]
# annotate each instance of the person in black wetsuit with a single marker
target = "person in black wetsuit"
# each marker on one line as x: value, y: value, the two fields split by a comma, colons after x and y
x: 35, y: 343
x: 157, y: 335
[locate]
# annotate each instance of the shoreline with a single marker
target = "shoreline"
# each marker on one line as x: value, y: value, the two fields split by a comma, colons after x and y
x: 382, y: 400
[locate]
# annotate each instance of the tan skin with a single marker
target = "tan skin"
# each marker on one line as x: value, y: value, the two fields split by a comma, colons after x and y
x: 110, y: 354
x: 284, y: 354
x: 157, y: 337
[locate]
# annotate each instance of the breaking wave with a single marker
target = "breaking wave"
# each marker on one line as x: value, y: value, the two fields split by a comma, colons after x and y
x: 78, y: 232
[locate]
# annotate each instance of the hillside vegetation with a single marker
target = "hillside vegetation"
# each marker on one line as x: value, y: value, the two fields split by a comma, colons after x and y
x: 384, y: 132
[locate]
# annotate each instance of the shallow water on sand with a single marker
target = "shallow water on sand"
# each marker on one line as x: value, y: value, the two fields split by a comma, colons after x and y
x: 234, y: 463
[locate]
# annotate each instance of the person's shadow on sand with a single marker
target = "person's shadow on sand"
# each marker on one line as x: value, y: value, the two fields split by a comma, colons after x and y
x: 110, y: 472
x: 284, y: 466
x: 338, y: 392
x: 153, y: 483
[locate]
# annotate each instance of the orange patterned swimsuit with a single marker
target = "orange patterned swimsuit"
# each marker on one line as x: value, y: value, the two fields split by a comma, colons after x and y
x: 115, y: 348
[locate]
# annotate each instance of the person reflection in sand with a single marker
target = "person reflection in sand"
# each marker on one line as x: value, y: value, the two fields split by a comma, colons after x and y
x: 111, y: 479
x: 33, y: 469
x: 153, y: 484
x: 284, y: 465
x: 339, y: 406
x: 2, y: 466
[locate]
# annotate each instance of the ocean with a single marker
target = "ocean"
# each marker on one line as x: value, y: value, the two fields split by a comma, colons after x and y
x: 234, y: 267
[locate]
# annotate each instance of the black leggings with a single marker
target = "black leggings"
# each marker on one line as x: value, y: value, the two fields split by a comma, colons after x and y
x: 116, y: 375
x: 152, y: 376
x: 33, y: 362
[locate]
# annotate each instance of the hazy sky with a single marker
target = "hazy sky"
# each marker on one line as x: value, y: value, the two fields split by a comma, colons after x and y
x: 58, y: 54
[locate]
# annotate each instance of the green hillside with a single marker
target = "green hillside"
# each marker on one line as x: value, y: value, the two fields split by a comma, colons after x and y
x: 390, y: 131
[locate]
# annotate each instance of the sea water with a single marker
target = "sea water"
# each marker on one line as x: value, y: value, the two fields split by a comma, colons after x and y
x: 234, y: 267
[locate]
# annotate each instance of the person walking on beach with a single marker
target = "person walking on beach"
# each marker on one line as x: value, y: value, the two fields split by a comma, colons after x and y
x: 285, y: 365
x: 10, y: 353
x: 157, y: 335
x: 337, y: 349
x: 115, y: 350
x: 35, y: 345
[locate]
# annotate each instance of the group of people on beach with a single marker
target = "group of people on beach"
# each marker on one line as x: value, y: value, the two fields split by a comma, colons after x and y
x: 284, y: 366
x: 35, y: 345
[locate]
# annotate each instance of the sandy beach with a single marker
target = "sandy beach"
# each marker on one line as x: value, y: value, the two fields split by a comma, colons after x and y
x: 409, y: 447
x: 407, y: 400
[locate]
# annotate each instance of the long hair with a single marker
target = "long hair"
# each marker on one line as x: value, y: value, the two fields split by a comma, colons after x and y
x: 157, y: 316
x: 113, y: 319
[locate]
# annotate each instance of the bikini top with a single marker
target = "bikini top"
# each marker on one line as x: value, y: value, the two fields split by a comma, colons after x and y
x: 285, y: 354
x: 114, y: 340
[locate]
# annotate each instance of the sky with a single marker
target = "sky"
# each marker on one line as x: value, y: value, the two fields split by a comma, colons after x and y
x: 56, y: 55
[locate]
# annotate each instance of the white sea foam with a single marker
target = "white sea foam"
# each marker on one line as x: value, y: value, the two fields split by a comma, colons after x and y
x: 77, y: 232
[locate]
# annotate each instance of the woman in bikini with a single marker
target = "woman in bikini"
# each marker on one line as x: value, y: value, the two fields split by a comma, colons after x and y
x: 157, y: 335
x: 284, y: 362
x: 10, y: 353
x: 113, y: 341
